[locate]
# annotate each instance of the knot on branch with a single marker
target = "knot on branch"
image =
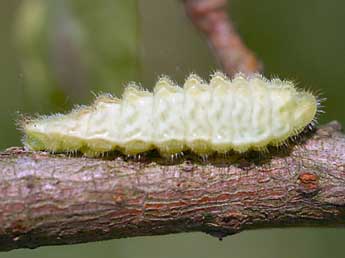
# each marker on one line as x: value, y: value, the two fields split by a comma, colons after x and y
x: 308, y: 183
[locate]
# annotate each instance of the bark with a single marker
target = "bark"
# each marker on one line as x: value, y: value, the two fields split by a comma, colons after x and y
x: 50, y: 199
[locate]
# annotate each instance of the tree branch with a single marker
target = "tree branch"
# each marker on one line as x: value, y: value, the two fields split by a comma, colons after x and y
x: 55, y: 199
x: 211, y: 18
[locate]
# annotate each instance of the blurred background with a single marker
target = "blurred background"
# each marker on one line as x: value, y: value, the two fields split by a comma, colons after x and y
x: 58, y: 53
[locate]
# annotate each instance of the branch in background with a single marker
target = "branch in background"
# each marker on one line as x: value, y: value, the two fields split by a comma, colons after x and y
x: 54, y: 199
x: 210, y: 17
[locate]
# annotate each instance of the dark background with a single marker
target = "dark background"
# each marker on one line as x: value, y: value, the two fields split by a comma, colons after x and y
x: 56, y: 53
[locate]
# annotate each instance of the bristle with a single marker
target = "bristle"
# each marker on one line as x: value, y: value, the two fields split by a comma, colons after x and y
x: 165, y: 79
x: 166, y: 83
x: 107, y: 98
x: 219, y: 79
x: 193, y: 80
x: 220, y: 75
x: 134, y: 90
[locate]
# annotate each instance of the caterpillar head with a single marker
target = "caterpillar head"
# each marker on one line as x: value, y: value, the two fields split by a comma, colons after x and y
x: 305, y: 110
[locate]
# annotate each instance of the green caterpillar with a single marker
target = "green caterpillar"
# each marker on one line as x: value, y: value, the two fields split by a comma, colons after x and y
x: 240, y: 115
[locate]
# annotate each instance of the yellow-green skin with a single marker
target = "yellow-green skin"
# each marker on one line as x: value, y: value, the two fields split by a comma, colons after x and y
x: 224, y: 115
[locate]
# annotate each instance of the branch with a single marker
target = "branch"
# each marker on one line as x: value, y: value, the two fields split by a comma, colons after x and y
x: 55, y: 199
x: 210, y: 17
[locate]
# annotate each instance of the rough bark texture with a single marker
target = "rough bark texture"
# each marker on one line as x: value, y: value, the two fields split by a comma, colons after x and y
x: 211, y: 18
x: 54, y: 199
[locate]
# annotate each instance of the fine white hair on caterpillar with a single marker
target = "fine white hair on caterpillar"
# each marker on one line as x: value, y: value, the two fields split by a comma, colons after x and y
x: 242, y: 114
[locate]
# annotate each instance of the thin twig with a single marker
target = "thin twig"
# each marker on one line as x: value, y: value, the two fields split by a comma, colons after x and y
x: 211, y: 18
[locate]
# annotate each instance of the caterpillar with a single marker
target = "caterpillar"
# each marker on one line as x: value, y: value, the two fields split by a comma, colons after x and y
x: 242, y: 114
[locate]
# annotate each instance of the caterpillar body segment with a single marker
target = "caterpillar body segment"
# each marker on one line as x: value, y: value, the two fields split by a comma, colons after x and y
x: 223, y: 115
